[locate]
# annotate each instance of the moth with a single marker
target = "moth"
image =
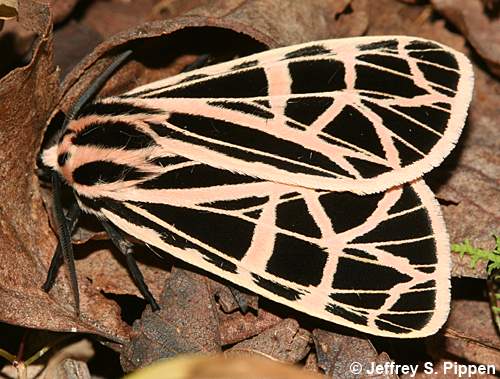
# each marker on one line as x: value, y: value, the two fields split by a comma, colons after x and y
x: 295, y: 173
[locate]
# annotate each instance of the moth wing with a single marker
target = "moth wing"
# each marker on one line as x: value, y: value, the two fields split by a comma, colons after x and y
x: 358, y: 114
x: 377, y: 263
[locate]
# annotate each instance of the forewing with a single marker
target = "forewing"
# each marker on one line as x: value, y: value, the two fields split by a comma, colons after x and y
x: 359, y: 114
x: 378, y: 263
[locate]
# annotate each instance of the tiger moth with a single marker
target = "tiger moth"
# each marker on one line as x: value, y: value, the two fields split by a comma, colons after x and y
x: 295, y: 173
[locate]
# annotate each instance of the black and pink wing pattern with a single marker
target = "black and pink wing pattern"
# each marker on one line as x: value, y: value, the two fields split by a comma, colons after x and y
x: 294, y: 173
x: 378, y: 263
x: 357, y: 114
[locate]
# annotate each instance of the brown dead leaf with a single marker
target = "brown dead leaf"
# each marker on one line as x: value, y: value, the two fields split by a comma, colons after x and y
x: 285, y: 342
x: 108, y: 18
x: 72, y: 43
x: 473, y: 188
x: 27, y: 95
x: 481, y: 30
x: 61, y: 9
x: 286, y: 22
x: 186, y: 323
x: 336, y: 353
x: 470, y: 333
x: 8, y: 9
x: 227, y: 301
x: 236, y: 327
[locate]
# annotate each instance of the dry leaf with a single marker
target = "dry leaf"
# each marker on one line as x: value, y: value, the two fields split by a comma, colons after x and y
x: 186, y: 323
x: 285, y: 342
x: 338, y: 355
x: 8, y: 9
x: 481, y: 30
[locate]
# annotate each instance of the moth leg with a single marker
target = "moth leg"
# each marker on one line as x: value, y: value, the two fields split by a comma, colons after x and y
x: 240, y: 299
x: 126, y: 249
x: 57, y: 259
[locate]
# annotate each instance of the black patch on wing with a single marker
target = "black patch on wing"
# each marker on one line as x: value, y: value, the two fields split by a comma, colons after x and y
x: 115, y: 109
x: 235, y: 151
x: 424, y: 140
x: 382, y: 325
x: 246, y: 64
x: 421, y: 252
x: 190, y: 78
x: 264, y: 103
x: 352, y: 126
x: 443, y: 105
x: 317, y: 76
x: 243, y: 203
x: 407, y: 155
x: 416, y: 301
x: 96, y: 172
x: 359, y: 253
x: 196, y: 176
x: 167, y: 236
x: 221, y: 263
x: 230, y: 235
x: 114, y: 135
x: 277, y: 288
x: 366, y: 168
x: 250, y: 83
x: 408, y: 320
x: 375, y: 95
x: 243, y: 108
x: 390, y: 44
x: 361, y: 300
x: 254, y: 139
x: 407, y: 200
x: 437, y: 75
x: 294, y: 125
x: 430, y: 284
x: 352, y: 275
x: 444, y: 91
x: 431, y: 117
x: 297, y: 261
x: 294, y: 216
x: 307, y: 52
x: 168, y: 161
x: 307, y: 109
x: 427, y: 270
x: 421, y: 45
x: 373, y: 79
x: 439, y: 57
x: 344, y: 313
x: 347, y: 210
x: 415, y: 224
x: 390, y: 62
x: 289, y: 195
x: 254, y: 214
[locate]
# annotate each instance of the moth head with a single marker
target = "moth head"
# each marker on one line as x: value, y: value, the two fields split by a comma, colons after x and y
x: 57, y: 156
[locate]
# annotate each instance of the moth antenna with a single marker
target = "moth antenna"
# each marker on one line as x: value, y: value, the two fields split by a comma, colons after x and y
x: 57, y: 259
x: 65, y: 238
x: 96, y: 85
